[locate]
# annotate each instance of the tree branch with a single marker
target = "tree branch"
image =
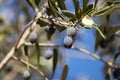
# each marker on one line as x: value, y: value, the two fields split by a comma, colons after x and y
x: 35, y: 68
x: 80, y: 49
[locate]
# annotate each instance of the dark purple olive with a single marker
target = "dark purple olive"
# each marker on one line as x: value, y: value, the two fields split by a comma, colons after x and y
x: 103, y: 43
x: 33, y: 37
x: 71, y: 31
x: 68, y: 41
x: 116, y: 73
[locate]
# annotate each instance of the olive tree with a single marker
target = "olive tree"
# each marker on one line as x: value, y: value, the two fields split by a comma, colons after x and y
x: 53, y: 17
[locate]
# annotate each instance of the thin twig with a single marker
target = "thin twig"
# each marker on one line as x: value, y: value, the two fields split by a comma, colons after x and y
x: 80, y: 49
x: 26, y: 63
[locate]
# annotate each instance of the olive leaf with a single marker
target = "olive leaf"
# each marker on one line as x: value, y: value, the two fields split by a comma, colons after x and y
x: 76, y: 5
x: 105, y: 9
x: 55, y: 58
x: 37, y: 2
x: 85, y: 3
x: 108, y: 31
x: 95, y: 3
x: 116, y: 56
x: 43, y: 22
x: 107, y: 76
x: 69, y: 14
x: 32, y: 4
x: 65, y: 72
x: 52, y: 7
x: 38, y: 54
x: 26, y: 50
x: 61, y: 4
x: 60, y: 27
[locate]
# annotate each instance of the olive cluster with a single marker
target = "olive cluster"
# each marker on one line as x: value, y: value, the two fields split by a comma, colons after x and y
x: 68, y: 40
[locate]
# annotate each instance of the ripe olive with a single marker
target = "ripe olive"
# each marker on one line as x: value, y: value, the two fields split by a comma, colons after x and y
x: 103, y: 43
x: 48, y: 54
x: 71, y: 31
x: 33, y: 37
x: 68, y: 41
x: 116, y: 73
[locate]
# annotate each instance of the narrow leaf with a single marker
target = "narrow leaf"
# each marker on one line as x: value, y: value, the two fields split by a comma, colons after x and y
x: 37, y: 2
x: 116, y: 56
x: 76, y: 5
x: 69, y: 14
x: 55, y: 58
x: 26, y: 51
x: 95, y: 3
x: 38, y: 54
x: 61, y: 4
x: 32, y: 4
x: 65, y: 72
x: 43, y: 22
x: 85, y: 2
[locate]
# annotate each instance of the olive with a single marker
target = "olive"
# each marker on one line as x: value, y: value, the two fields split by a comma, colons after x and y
x: 33, y: 37
x: 26, y: 74
x: 48, y: 54
x: 116, y: 73
x: 71, y: 31
x: 103, y: 43
x: 68, y: 41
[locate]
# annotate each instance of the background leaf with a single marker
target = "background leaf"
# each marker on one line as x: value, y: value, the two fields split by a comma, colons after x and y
x: 65, y: 72
x: 55, y: 58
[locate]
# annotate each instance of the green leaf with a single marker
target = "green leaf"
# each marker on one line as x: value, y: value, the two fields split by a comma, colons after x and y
x: 61, y: 4
x: 116, y: 56
x: 69, y: 14
x: 38, y: 54
x: 76, y: 5
x: 37, y: 2
x: 55, y: 58
x: 32, y: 4
x: 95, y: 3
x: 26, y: 50
x: 52, y: 7
x: 107, y: 76
x: 113, y: 29
x: 105, y: 9
x: 85, y: 2
x: 60, y: 27
x: 43, y: 22
x: 88, y: 9
x: 65, y: 72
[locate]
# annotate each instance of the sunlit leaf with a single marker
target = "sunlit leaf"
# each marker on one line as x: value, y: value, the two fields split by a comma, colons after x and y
x: 105, y: 9
x: 65, y: 72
